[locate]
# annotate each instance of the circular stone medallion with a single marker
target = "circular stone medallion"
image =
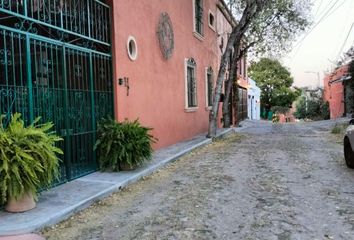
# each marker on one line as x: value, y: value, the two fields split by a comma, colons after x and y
x: 165, y: 35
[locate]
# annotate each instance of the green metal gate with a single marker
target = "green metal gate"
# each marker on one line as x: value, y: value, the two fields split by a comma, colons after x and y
x: 55, y: 62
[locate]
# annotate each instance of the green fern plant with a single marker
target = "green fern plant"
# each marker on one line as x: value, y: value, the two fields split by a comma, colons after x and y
x: 28, y: 157
x: 123, y: 143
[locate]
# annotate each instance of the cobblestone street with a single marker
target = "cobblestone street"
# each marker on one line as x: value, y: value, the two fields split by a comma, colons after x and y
x: 269, y: 181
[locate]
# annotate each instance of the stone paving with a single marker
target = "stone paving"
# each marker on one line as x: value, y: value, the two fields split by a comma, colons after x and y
x: 23, y: 237
x: 61, y: 202
x: 269, y: 181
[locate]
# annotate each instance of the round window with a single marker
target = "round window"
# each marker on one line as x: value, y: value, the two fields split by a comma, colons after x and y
x: 132, y: 48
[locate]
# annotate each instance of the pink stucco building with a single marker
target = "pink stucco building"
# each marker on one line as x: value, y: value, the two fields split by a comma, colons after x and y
x: 75, y: 62
x: 166, y: 55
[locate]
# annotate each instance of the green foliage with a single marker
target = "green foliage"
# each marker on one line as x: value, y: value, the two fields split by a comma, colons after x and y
x: 275, y: 26
x: 339, y: 129
x: 336, y: 130
x: 325, y: 113
x: 28, y: 157
x: 351, y: 67
x: 264, y: 28
x: 126, y: 142
x: 280, y: 109
x: 301, y: 111
x: 275, y: 81
x: 312, y: 106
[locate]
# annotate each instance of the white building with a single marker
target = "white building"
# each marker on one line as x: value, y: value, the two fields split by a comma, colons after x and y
x: 254, y: 101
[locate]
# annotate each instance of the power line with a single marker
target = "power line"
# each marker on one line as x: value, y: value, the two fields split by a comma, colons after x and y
x: 326, y: 8
x: 318, y: 9
x: 344, y: 27
x: 299, y: 44
x: 327, y: 13
x: 324, y: 16
x: 334, y: 10
x: 345, y: 41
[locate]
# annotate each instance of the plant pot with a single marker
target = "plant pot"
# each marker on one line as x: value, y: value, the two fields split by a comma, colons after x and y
x: 23, y: 204
x: 127, y: 167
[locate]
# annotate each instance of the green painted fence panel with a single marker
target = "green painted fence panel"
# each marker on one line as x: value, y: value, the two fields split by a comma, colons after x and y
x: 45, y: 73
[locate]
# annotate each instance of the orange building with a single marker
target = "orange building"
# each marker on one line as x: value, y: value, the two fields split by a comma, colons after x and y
x: 334, y: 91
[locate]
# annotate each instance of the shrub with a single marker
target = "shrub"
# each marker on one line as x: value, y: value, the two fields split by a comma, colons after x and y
x: 28, y: 157
x: 280, y: 109
x: 126, y: 142
x: 325, y: 111
x: 313, y: 108
x: 336, y: 130
x: 339, y: 128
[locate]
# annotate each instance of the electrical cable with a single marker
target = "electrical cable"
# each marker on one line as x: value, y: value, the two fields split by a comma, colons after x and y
x: 318, y: 9
x: 345, y: 41
x: 328, y: 12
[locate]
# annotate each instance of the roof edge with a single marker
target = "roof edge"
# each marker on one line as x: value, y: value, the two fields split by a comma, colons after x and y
x: 227, y: 13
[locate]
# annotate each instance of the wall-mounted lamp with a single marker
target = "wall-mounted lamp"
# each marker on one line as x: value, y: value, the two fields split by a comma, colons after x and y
x: 125, y: 82
x: 120, y: 81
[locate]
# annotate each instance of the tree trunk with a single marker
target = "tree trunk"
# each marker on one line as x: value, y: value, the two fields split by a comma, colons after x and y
x: 232, y: 80
x: 251, y: 9
x: 236, y: 100
x: 226, y: 104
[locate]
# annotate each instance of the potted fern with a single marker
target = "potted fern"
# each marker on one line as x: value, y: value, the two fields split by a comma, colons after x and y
x: 28, y: 162
x: 123, y: 146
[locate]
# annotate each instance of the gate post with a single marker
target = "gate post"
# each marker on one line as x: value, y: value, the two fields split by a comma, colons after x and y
x: 67, y: 158
x: 29, y: 78
x: 92, y: 88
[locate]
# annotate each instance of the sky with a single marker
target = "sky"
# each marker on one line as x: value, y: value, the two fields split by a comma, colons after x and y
x: 315, y: 51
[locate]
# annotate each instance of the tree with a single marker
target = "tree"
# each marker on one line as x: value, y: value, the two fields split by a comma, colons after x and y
x: 311, y: 105
x: 268, y: 25
x: 275, y: 82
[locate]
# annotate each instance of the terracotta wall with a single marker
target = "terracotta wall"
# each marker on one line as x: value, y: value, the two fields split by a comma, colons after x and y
x: 157, y: 86
x: 334, y: 92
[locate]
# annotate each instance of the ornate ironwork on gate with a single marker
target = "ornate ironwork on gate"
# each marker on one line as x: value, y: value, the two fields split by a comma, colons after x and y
x: 55, y: 62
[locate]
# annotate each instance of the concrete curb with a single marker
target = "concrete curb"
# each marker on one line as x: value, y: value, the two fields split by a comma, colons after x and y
x: 56, y: 217
x: 23, y: 237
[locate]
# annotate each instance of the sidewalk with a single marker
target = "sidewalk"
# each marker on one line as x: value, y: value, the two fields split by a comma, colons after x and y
x: 63, y: 201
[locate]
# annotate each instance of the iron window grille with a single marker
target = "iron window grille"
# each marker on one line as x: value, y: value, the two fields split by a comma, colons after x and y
x: 198, y: 16
x: 211, y: 20
x: 191, y: 84
x: 210, y: 86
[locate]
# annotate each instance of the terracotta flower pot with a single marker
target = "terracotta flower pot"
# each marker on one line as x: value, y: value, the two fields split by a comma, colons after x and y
x: 23, y: 204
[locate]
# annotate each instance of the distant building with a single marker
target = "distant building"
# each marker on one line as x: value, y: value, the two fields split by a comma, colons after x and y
x: 254, y: 101
x: 241, y: 108
x: 337, y: 92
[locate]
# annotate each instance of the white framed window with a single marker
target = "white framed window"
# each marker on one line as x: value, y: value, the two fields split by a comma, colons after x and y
x: 191, y: 102
x: 241, y: 67
x: 244, y: 67
x: 209, y: 87
x: 211, y: 20
x: 132, y: 48
x: 198, y: 24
